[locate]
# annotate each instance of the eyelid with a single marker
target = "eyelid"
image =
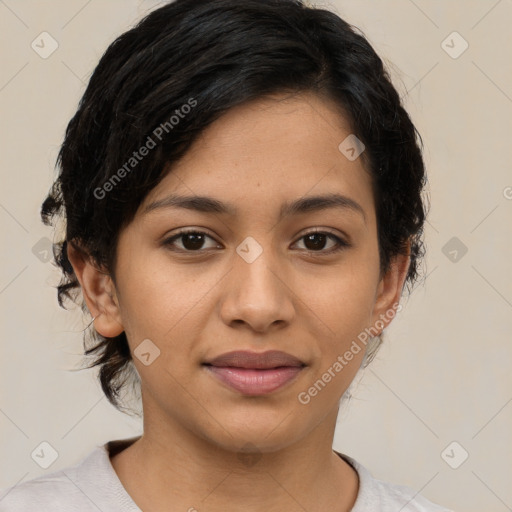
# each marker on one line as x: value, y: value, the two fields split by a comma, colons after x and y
x: 342, y: 242
x: 168, y: 240
x: 340, y: 235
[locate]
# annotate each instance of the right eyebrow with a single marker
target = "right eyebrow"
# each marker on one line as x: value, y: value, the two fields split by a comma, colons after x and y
x: 205, y: 204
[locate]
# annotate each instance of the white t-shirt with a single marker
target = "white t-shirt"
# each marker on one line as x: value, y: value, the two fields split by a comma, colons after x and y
x: 92, y: 485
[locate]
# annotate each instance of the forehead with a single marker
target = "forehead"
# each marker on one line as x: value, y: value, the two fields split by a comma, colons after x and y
x: 270, y: 151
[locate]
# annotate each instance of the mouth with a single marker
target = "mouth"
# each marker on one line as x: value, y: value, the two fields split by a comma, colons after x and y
x: 252, y: 373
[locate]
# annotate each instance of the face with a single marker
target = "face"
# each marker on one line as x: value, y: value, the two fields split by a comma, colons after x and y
x: 261, y: 269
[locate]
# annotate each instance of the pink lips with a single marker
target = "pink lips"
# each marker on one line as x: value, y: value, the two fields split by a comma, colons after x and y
x: 253, y: 373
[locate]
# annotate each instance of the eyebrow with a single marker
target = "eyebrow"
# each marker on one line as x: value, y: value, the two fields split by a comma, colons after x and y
x: 303, y: 205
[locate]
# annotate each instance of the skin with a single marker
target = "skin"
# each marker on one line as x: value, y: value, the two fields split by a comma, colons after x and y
x: 197, y: 305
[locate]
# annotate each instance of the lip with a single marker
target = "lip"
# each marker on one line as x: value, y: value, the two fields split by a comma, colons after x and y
x: 253, y: 373
x: 255, y: 360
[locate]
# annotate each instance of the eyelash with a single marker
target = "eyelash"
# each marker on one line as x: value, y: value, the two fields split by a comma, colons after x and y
x: 341, y: 244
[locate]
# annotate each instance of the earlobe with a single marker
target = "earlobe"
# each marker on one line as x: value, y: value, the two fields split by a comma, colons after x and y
x: 390, y: 289
x: 99, y: 293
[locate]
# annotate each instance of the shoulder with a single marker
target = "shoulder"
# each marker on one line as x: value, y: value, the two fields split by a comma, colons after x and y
x: 52, y: 492
x: 377, y: 496
x: 74, y: 488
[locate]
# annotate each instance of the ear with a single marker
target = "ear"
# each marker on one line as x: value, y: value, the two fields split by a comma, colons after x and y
x: 99, y: 293
x: 389, y: 290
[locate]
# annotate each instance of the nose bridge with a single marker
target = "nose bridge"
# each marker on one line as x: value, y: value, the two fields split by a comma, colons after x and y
x: 254, y: 269
x: 256, y: 294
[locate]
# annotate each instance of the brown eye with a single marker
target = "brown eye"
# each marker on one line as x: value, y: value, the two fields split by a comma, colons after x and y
x: 317, y: 241
x: 314, y: 242
x: 191, y: 241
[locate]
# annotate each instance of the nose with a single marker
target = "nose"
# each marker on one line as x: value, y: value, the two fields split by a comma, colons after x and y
x: 257, y: 296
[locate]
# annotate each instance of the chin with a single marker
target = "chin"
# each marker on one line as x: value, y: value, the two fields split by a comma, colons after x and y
x: 256, y: 430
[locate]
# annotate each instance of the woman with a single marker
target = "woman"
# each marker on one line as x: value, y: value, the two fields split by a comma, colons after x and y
x: 242, y: 194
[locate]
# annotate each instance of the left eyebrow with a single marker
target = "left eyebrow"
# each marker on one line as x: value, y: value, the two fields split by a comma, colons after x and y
x: 317, y: 203
x: 303, y: 205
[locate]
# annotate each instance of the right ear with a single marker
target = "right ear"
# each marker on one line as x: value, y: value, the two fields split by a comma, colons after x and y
x: 99, y: 293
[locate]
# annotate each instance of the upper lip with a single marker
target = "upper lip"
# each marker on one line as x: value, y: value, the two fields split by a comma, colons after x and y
x: 257, y: 360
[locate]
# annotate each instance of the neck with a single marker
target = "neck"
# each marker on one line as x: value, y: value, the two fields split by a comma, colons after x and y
x: 169, y: 468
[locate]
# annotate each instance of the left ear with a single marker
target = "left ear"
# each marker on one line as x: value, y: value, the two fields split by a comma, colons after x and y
x: 390, y: 289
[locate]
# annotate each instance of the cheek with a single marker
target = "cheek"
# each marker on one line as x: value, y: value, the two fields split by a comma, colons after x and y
x: 344, y: 298
x: 343, y: 301
x: 148, y: 298
x: 163, y: 302
x: 348, y: 313
x: 345, y: 309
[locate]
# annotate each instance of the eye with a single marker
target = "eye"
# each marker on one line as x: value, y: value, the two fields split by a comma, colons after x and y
x: 191, y: 240
x: 315, y: 241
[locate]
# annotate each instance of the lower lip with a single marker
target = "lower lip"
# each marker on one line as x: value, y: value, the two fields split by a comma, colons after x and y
x: 255, y: 382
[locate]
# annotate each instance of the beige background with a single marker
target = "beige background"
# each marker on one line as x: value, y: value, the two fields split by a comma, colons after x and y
x: 444, y: 372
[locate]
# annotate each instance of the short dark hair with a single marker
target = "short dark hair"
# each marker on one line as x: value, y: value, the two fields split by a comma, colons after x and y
x: 213, y: 55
